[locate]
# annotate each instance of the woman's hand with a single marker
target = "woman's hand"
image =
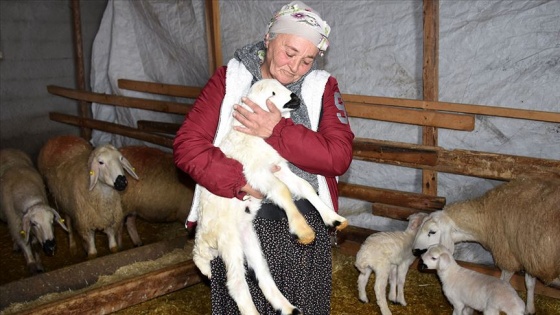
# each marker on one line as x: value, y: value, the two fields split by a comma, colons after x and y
x: 255, y: 193
x: 257, y: 122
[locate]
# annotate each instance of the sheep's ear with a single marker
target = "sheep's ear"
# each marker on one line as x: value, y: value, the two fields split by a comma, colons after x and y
x: 93, y: 173
x: 446, y: 237
x: 128, y: 167
x: 59, y: 219
x: 26, y: 228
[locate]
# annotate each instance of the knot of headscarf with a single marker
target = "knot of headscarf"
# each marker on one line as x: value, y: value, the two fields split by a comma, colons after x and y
x: 297, y: 18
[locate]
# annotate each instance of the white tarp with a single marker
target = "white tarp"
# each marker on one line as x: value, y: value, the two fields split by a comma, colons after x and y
x: 499, y: 53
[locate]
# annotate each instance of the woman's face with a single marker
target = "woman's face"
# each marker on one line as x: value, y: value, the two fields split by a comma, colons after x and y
x: 288, y: 58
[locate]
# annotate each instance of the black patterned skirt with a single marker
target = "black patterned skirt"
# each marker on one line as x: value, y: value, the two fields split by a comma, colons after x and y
x: 303, y: 273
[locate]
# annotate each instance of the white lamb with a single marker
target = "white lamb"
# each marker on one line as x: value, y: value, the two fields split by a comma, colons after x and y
x: 389, y: 255
x: 25, y: 207
x: 467, y: 289
x: 518, y: 222
x: 85, y: 184
x: 225, y: 225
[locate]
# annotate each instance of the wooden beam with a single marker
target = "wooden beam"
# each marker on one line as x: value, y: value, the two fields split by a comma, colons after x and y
x: 393, y: 197
x: 463, y: 162
x: 112, y: 128
x: 160, y: 88
x: 411, y: 116
x: 123, y: 101
x: 158, y: 126
x: 394, y: 212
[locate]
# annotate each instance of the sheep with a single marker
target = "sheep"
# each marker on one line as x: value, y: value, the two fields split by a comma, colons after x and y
x: 518, y: 222
x: 467, y: 289
x: 163, y: 194
x: 389, y: 255
x: 225, y: 225
x: 25, y: 207
x: 85, y: 183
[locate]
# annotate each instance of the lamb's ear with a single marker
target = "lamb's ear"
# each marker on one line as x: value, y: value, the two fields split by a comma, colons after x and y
x: 59, y: 219
x: 128, y: 167
x: 444, y: 260
x: 26, y: 228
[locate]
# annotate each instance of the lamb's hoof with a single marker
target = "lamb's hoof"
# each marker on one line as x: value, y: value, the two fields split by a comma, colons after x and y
x: 306, y: 238
x: 364, y: 301
x: 341, y: 225
x: 295, y: 311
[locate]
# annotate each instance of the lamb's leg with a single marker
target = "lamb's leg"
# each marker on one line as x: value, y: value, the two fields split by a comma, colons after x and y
x: 393, y: 284
x: 132, y: 232
x: 362, y: 283
x: 256, y: 261
x: 111, y: 236
x: 530, y: 284
x: 203, y: 254
x: 299, y: 187
x: 380, y: 287
x: 401, y: 278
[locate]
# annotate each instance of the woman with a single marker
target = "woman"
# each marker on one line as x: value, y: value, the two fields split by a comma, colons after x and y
x: 316, y: 140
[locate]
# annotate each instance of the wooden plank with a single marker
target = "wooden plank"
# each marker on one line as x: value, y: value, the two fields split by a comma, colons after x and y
x: 411, y: 116
x: 463, y: 162
x: 393, y: 197
x: 117, y: 296
x: 123, y: 101
x: 457, y: 107
x: 394, y: 212
x: 213, y: 35
x: 158, y: 126
x: 112, y: 128
x: 160, y: 88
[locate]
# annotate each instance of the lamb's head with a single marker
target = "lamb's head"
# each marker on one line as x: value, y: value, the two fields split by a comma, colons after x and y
x: 283, y: 98
x: 38, y: 221
x: 415, y: 221
x: 106, y: 165
x: 435, y: 229
x: 436, y: 257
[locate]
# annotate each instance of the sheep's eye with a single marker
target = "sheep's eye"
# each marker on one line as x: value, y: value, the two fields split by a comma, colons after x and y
x: 431, y: 233
x: 434, y: 258
x: 273, y: 93
x: 101, y: 162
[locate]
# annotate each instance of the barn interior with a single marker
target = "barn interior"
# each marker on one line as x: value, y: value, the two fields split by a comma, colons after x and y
x: 447, y: 99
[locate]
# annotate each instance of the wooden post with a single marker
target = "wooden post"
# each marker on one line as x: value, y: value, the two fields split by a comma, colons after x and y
x: 213, y: 35
x: 430, y: 84
x: 84, y: 108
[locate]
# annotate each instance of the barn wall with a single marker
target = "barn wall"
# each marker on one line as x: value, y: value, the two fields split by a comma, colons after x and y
x: 38, y: 50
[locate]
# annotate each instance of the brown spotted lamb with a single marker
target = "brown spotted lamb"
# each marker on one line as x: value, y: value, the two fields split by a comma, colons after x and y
x: 518, y: 222
x: 85, y: 183
x: 25, y: 207
x: 162, y: 194
x: 389, y: 255
x: 468, y: 290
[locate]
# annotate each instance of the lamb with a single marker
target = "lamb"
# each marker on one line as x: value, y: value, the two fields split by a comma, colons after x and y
x: 389, y: 255
x: 467, y: 289
x: 516, y: 221
x: 25, y: 207
x: 225, y: 225
x: 85, y: 183
x: 163, y: 194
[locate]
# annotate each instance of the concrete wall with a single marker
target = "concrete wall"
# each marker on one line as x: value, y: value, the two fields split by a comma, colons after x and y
x: 37, y: 49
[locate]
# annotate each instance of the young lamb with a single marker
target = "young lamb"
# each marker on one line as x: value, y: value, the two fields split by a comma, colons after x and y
x: 467, y: 289
x: 85, y: 183
x: 225, y: 225
x: 162, y: 194
x: 25, y: 207
x: 389, y: 255
x: 516, y: 221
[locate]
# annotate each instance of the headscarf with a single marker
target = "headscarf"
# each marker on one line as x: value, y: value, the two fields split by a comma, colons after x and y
x: 297, y: 18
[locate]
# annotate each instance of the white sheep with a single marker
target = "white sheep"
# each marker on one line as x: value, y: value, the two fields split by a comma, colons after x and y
x: 25, y: 207
x: 389, y: 255
x: 518, y: 222
x: 85, y: 183
x: 225, y: 225
x: 467, y: 289
x: 162, y: 194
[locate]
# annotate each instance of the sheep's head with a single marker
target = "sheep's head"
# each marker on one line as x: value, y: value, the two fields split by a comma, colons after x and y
x: 435, y: 229
x: 284, y: 99
x: 436, y: 257
x: 38, y: 221
x: 106, y: 165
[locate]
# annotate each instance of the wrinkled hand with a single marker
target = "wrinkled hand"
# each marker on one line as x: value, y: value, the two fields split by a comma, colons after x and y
x: 255, y: 193
x: 259, y: 122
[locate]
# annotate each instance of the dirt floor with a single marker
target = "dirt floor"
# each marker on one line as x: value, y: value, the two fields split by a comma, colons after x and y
x: 422, y: 291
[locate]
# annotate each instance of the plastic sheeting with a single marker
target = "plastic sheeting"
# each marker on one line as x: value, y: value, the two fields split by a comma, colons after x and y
x: 499, y: 53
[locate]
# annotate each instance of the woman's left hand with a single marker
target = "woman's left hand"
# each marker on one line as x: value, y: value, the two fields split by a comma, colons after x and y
x: 259, y: 122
